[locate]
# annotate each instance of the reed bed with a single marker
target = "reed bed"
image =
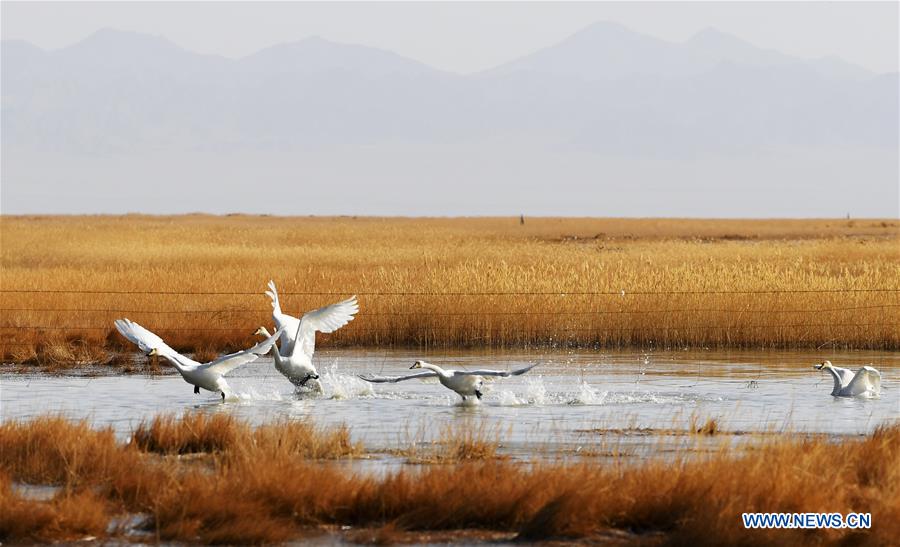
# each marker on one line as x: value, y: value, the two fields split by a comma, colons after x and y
x: 205, y: 433
x: 199, y: 281
x: 279, y: 495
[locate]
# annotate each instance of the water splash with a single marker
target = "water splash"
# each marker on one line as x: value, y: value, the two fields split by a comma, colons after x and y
x: 587, y: 395
x: 344, y: 386
x: 536, y: 391
x: 468, y: 402
x: 252, y: 393
x: 509, y: 398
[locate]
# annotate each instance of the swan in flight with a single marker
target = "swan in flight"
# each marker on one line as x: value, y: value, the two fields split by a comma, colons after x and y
x: 866, y: 382
x: 209, y: 376
x: 297, y: 341
x: 464, y: 382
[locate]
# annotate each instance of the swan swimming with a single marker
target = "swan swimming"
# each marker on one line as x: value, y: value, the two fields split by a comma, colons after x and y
x: 865, y: 383
x: 465, y: 383
x: 293, y: 359
x: 209, y: 376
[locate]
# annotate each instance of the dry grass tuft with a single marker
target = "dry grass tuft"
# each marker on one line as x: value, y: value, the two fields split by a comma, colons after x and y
x: 301, y: 439
x: 68, y: 516
x: 59, y: 356
x: 210, y: 433
x: 53, y: 450
x: 192, y: 433
x: 460, y: 443
x: 205, y: 354
x: 709, y: 427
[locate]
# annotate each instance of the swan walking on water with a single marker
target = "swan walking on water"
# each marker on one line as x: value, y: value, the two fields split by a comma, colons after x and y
x: 464, y: 382
x: 865, y: 383
x: 209, y: 376
x: 297, y: 343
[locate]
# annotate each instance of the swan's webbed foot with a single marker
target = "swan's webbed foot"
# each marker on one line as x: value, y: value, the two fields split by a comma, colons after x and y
x: 197, y: 390
x: 478, y: 394
x: 308, y: 378
x: 463, y: 396
x: 223, y: 396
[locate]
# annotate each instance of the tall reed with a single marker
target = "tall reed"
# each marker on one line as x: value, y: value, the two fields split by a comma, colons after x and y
x: 449, y: 282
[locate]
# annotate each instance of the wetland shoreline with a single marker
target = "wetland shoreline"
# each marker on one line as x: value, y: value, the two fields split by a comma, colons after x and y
x: 200, y: 479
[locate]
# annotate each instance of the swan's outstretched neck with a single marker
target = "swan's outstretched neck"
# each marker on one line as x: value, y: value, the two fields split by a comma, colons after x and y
x: 434, y: 368
x: 273, y: 294
x: 174, y: 361
x: 279, y: 363
x: 836, y: 377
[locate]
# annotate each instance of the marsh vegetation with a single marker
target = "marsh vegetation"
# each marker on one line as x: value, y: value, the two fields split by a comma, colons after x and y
x: 490, y: 282
x: 282, y: 482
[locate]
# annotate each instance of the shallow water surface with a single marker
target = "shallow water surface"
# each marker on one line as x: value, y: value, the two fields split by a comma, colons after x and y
x: 573, y: 403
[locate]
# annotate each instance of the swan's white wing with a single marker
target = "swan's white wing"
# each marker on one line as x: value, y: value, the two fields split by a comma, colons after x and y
x: 282, y: 320
x: 394, y: 379
x: 845, y: 374
x: 227, y: 363
x: 327, y: 319
x: 503, y: 373
x: 147, y: 341
x: 867, y: 379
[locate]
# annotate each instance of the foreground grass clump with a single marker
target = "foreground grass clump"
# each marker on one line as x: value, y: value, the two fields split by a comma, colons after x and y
x: 461, y: 443
x: 67, y: 516
x: 199, y: 281
x: 265, y: 492
x: 53, y: 450
x: 205, y: 433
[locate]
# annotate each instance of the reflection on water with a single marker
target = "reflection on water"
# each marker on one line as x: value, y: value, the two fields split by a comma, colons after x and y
x: 569, y: 404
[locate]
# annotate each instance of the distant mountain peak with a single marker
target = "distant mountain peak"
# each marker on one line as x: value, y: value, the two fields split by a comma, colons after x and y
x: 606, y: 32
x: 708, y: 33
x: 315, y: 53
x: 20, y: 44
x: 606, y: 50
x: 115, y: 37
x: 604, y: 26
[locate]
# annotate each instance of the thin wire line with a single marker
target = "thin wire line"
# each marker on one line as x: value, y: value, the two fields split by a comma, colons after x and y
x: 464, y: 328
x: 474, y: 313
x: 448, y: 293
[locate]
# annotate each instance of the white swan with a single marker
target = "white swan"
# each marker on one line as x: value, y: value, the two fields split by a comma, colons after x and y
x: 866, y: 382
x: 209, y: 376
x: 464, y: 382
x: 297, y: 342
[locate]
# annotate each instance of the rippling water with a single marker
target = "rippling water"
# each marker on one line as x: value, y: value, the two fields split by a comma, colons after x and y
x: 578, y: 401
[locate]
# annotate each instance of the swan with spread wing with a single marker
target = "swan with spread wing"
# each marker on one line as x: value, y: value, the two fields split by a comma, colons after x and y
x: 866, y: 382
x: 297, y: 341
x: 466, y: 383
x: 209, y: 376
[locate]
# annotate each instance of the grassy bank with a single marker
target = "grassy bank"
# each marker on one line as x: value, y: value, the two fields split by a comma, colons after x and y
x: 199, y: 281
x: 216, y: 480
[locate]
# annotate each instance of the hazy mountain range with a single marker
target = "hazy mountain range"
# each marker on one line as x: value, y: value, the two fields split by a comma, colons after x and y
x: 607, y: 122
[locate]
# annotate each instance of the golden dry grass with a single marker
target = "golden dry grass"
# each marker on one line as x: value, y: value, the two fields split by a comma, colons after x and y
x: 277, y: 495
x: 68, y: 516
x: 464, y: 442
x: 204, y: 433
x: 415, y: 278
